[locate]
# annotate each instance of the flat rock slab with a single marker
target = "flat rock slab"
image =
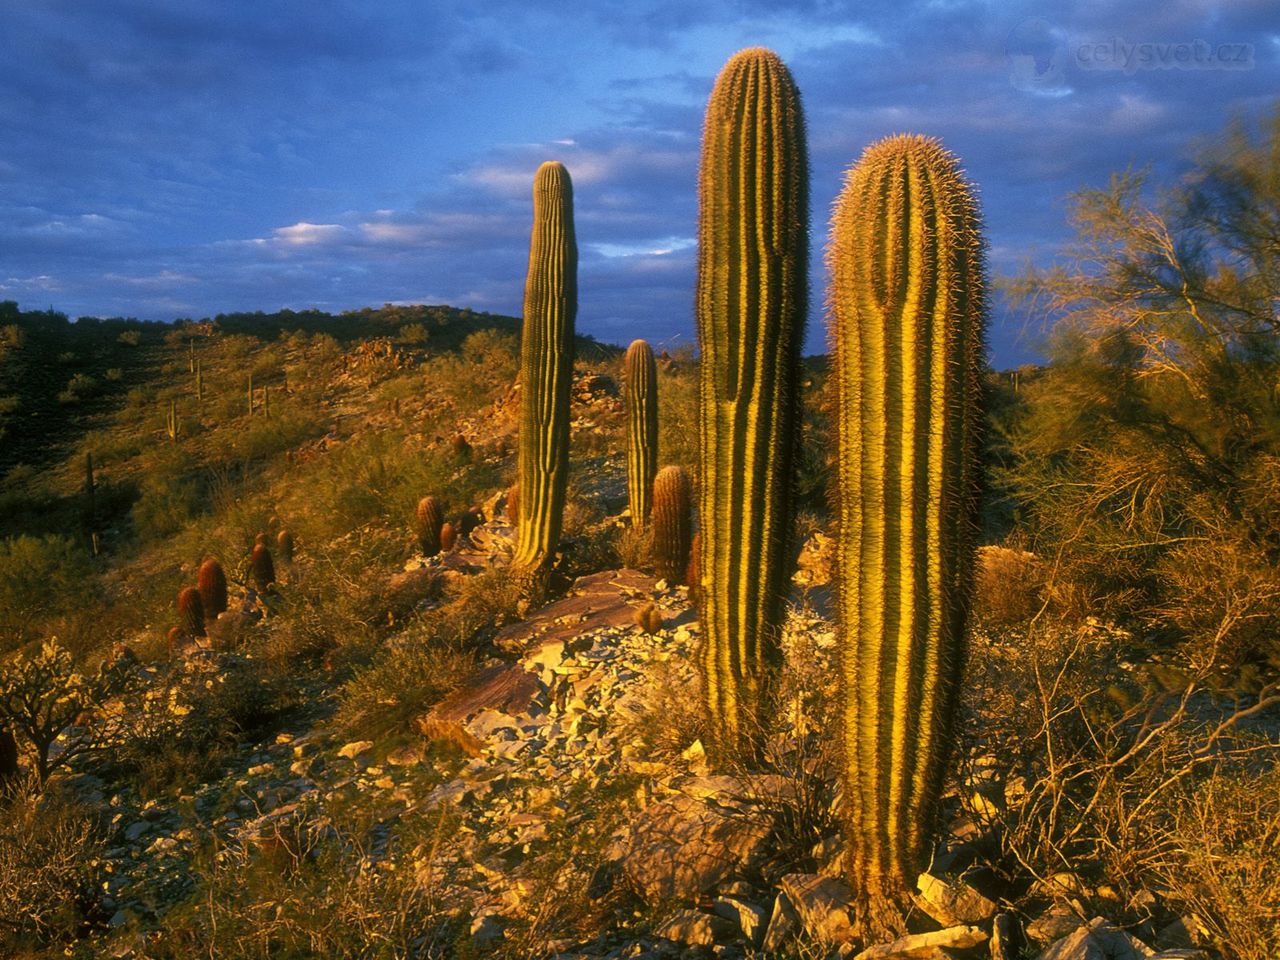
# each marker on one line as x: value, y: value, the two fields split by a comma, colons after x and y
x: 824, y: 904
x: 506, y: 688
x: 922, y: 946
x: 681, y: 848
x: 594, y: 603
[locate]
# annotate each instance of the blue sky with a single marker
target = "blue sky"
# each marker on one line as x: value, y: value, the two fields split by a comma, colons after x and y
x: 167, y: 158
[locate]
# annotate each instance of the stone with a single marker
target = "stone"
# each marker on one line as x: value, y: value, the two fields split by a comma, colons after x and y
x: 486, y: 929
x: 824, y: 905
x: 1056, y: 922
x: 748, y: 917
x: 695, y: 928
x: 355, y: 748
x: 135, y: 830
x: 1098, y: 940
x: 925, y: 946
x: 1005, y: 938
x: 952, y: 902
x: 681, y: 848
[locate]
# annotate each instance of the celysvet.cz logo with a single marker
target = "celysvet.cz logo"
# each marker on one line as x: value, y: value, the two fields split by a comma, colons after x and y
x: 1117, y: 53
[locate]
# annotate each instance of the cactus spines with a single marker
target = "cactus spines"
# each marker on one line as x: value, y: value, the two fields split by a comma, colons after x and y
x: 191, y: 612
x: 428, y: 519
x: 513, y: 505
x: 262, y: 568
x: 284, y: 544
x: 546, y: 369
x: 672, y: 523
x: 906, y: 304
x: 212, y: 584
x: 752, y: 298
x: 448, y: 537
x: 641, y: 377
x: 693, y: 576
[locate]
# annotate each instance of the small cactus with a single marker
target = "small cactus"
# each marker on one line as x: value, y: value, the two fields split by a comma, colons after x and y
x: 649, y: 618
x: 461, y: 447
x: 641, y: 376
x: 284, y: 544
x: 191, y: 612
x: 546, y: 371
x: 468, y: 520
x: 448, y: 537
x: 262, y: 568
x: 672, y: 523
x: 173, y: 638
x: 212, y: 584
x: 430, y: 518
x: 260, y: 539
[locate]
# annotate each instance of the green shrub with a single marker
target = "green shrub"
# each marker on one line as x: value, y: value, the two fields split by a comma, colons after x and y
x: 39, y: 577
x: 166, y: 504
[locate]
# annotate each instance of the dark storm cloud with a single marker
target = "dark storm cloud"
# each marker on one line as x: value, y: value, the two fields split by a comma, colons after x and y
x: 168, y: 158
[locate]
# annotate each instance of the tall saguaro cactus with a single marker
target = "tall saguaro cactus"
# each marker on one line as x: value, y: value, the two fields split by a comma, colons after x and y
x: 752, y: 297
x: 906, y: 303
x: 641, y: 375
x: 546, y: 369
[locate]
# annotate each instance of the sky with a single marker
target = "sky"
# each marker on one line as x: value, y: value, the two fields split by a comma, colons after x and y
x: 182, y: 158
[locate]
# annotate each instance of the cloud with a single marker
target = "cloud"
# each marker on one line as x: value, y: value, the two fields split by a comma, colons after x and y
x: 310, y: 234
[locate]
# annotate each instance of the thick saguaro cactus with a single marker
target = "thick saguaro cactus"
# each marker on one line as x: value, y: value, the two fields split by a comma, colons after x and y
x: 211, y: 581
x: 641, y: 375
x: 907, y: 304
x: 752, y: 298
x: 672, y: 523
x: 546, y: 368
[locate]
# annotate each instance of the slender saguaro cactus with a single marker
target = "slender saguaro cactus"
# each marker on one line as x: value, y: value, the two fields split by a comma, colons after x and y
x: 641, y: 375
x: 546, y: 368
x: 199, y: 382
x: 171, y: 421
x: 752, y: 297
x: 906, y: 303
x: 90, y: 493
x: 672, y: 523
x: 211, y: 581
x: 251, y: 395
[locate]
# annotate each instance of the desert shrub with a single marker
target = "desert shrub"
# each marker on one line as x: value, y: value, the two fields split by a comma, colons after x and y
x: 49, y: 867
x: 43, y: 699
x: 80, y: 387
x: 1086, y: 755
x: 266, y: 437
x: 1225, y: 867
x: 412, y: 334
x: 166, y: 503
x: 427, y: 660
x: 1007, y: 583
x: 129, y: 338
x: 635, y: 547
x: 39, y: 578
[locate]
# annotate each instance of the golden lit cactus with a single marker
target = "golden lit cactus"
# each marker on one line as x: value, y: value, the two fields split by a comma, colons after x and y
x: 752, y: 298
x: 546, y: 369
x: 906, y: 303
x: 191, y: 612
x: 672, y: 523
x: 284, y: 542
x: 641, y: 375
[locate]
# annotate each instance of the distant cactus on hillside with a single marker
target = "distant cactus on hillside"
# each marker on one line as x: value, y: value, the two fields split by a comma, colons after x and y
x: 211, y: 581
x: 284, y: 544
x: 262, y: 568
x: 448, y: 537
x: 641, y: 376
x: 191, y: 612
x: 429, y: 518
x: 751, y: 304
x: 672, y: 523
x: 546, y: 370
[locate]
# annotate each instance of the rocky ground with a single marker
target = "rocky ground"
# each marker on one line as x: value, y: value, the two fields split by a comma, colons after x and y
x: 574, y: 780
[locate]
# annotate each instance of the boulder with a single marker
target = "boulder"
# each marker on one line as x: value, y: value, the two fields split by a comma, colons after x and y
x: 1098, y: 940
x: 681, y: 848
x: 824, y: 904
x: 952, y: 902
x: 696, y: 929
x: 926, y: 946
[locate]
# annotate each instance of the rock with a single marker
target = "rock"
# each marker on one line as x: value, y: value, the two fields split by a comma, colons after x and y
x: 1183, y: 932
x: 952, y: 902
x: 824, y: 905
x: 1181, y: 953
x: 602, y: 879
x: 749, y: 918
x: 135, y: 830
x: 486, y: 929
x: 696, y: 929
x: 1056, y: 922
x: 355, y: 748
x: 926, y: 945
x: 681, y: 848
x: 1099, y: 940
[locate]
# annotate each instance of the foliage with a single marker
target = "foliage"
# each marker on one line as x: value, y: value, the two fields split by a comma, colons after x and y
x: 39, y: 577
x: 1146, y: 458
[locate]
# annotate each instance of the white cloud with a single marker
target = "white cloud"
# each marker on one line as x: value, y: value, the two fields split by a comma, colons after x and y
x: 310, y: 234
